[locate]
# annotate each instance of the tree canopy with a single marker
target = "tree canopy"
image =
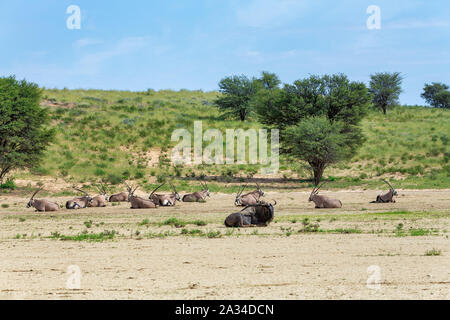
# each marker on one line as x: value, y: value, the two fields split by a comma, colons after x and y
x: 385, y: 88
x: 318, y: 142
x: 237, y: 92
x: 318, y: 117
x: 437, y: 95
x: 333, y: 96
x: 23, y: 132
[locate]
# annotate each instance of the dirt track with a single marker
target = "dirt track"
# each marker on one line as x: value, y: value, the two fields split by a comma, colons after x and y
x: 276, y: 263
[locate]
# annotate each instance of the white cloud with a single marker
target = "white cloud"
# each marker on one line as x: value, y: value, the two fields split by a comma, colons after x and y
x: 263, y: 13
x: 90, y: 63
x: 81, y: 43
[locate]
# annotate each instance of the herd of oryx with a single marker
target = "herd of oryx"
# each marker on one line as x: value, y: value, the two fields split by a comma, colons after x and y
x: 256, y: 212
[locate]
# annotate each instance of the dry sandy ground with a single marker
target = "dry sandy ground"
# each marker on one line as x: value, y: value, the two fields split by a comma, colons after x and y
x: 276, y: 262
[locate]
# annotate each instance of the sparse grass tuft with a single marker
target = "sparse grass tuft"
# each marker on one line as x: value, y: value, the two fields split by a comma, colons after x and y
x: 84, y: 236
x: 433, y: 252
x: 173, y: 222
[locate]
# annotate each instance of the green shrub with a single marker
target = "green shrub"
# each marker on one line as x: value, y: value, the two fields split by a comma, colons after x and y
x: 9, y: 184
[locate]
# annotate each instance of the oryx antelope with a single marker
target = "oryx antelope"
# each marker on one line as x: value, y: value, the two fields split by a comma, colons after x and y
x: 248, y: 198
x: 138, y: 202
x: 101, y: 199
x: 165, y: 199
x: 42, y: 205
x: 323, y: 201
x: 80, y: 202
x: 254, y: 215
x: 388, y: 196
x: 197, y: 196
x: 122, y: 196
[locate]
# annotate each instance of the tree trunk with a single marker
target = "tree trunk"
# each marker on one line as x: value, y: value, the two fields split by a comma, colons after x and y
x: 3, y: 173
x: 384, y: 108
x: 242, y: 115
x: 318, y: 172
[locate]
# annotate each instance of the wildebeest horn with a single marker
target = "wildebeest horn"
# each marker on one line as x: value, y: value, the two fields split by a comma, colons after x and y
x: 274, y: 202
x: 387, y: 182
x: 39, y: 189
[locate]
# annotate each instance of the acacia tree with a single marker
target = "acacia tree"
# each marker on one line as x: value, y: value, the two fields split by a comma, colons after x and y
x: 385, y: 88
x: 23, y: 126
x: 437, y: 95
x: 269, y: 81
x: 318, y: 142
x: 237, y: 92
x: 318, y: 118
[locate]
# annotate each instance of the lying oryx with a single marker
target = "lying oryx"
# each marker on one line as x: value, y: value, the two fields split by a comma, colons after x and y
x: 101, y: 199
x: 388, y: 196
x: 80, y: 202
x: 197, y: 196
x: 138, y: 202
x: 248, y: 198
x: 254, y: 215
x: 42, y: 205
x: 122, y: 196
x: 166, y: 199
x: 323, y: 201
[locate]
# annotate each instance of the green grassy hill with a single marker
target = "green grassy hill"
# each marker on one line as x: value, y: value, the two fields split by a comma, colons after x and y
x: 110, y: 134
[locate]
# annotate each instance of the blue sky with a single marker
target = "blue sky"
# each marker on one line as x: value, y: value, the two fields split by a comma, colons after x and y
x: 187, y: 44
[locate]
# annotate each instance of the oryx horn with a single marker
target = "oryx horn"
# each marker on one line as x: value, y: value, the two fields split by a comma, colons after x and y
x: 128, y: 187
x: 39, y: 189
x: 242, y: 190
x: 154, y: 190
x: 81, y: 191
x: 387, y: 182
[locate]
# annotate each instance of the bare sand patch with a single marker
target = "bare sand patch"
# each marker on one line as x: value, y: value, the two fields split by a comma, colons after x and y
x: 267, y: 264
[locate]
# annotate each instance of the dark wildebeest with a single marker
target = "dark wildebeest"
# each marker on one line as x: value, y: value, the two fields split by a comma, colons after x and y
x: 254, y: 215
x: 42, y: 205
x: 323, y: 201
x: 248, y: 198
x: 388, y: 196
